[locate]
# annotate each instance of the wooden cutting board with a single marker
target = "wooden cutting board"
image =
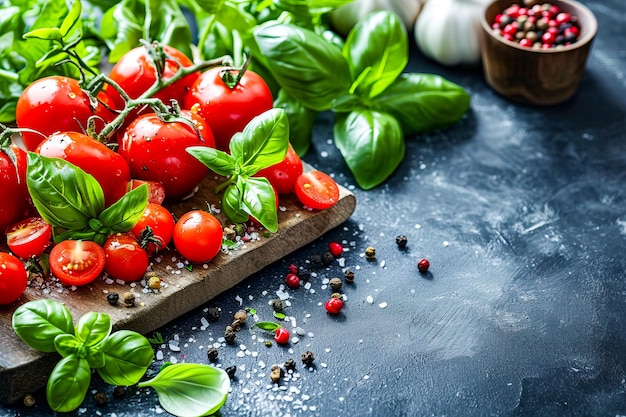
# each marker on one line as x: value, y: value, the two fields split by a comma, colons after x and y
x: 23, y: 370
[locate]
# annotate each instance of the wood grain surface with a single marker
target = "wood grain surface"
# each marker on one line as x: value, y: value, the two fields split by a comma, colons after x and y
x: 23, y: 370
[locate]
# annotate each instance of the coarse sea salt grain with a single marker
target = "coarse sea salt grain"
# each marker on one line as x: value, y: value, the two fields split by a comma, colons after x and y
x: 382, y: 305
x: 369, y: 299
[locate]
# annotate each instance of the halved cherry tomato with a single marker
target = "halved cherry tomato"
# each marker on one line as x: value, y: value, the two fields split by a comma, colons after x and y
x: 161, y: 224
x: 317, y: 190
x: 156, y: 190
x: 13, y: 278
x: 105, y: 165
x: 124, y: 259
x: 76, y: 262
x: 198, y: 236
x: 228, y: 110
x: 155, y: 151
x: 29, y: 237
x: 284, y: 174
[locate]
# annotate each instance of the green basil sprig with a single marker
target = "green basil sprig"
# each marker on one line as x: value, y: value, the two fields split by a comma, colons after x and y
x: 190, y: 390
x: 72, y: 201
x: 121, y: 358
x: 263, y: 143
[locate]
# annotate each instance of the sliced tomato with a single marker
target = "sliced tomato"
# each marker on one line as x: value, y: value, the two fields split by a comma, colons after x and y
x: 317, y: 190
x: 76, y: 262
x: 29, y: 237
x: 156, y: 190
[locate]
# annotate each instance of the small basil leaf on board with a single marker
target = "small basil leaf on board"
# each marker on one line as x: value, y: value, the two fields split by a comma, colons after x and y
x: 67, y: 344
x: 259, y: 201
x: 217, y: 161
x: 371, y: 143
x: 127, y: 356
x: 377, y: 46
x: 124, y: 214
x: 263, y: 142
x: 232, y: 203
x: 306, y: 65
x: 38, y: 322
x: 65, y: 196
x: 301, y: 121
x: 189, y: 390
x: 68, y: 383
x: 269, y: 326
x: 423, y: 102
x: 93, y: 327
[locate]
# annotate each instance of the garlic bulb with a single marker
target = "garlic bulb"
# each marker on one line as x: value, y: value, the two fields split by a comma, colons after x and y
x: 346, y: 16
x: 448, y: 31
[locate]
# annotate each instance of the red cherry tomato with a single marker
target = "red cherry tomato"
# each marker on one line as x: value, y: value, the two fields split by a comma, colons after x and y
x: 284, y: 174
x: 13, y: 185
x: 76, y: 262
x: 106, y: 166
x: 135, y: 72
x: 123, y: 257
x: 161, y: 223
x: 13, y: 278
x: 228, y: 110
x: 198, y: 236
x: 54, y: 104
x: 29, y: 237
x: 155, y: 151
x: 281, y: 336
x: 317, y: 190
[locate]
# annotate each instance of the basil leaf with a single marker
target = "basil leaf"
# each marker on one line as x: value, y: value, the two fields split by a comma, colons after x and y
x: 348, y: 103
x: 301, y: 121
x: 67, y: 344
x: 306, y: 65
x: 259, y: 201
x: 217, y: 161
x: 92, y: 328
x: 422, y: 102
x: 124, y: 214
x: 49, y: 34
x: 232, y: 204
x: 263, y: 142
x: 371, y: 143
x: 188, y: 389
x: 68, y: 384
x: 65, y: 196
x: 38, y: 322
x: 377, y: 47
x: 127, y: 356
x: 270, y: 326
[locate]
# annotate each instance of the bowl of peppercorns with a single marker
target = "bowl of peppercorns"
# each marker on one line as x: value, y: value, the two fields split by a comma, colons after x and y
x: 535, y: 52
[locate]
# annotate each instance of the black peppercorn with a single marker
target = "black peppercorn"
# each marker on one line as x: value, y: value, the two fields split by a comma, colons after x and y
x: 213, y: 314
x: 212, y: 354
x: 229, y: 335
x: 113, y: 298
x: 308, y: 358
x: 230, y: 371
x: 349, y: 276
x: 401, y: 241
x: 100, y: 398
x: 119, y: 392
x: 304, y: 274
x: 290, y: 364
x: 327, y: 258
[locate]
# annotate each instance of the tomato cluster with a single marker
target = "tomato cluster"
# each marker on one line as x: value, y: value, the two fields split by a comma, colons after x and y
x: 122, y: 137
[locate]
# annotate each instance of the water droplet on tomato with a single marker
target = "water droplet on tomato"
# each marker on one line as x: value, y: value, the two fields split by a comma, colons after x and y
x: 72, y: 95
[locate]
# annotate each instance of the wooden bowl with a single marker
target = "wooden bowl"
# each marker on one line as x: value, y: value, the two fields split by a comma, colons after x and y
x: 535, y: 76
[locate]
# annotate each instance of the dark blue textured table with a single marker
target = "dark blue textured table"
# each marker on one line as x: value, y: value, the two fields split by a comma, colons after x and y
x: 522, y: 213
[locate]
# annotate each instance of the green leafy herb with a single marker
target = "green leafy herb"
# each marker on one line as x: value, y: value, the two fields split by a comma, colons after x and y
x: 269, y: 326
x: 279, y: 316
x: 72, y: 201
x: 157, y: 339
x: 263, y: 143
x: 121, y: 358
x: 187, y: 389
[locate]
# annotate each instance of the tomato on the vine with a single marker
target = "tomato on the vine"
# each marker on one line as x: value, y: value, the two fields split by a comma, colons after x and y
x: 284, y: 174
x: 198, y: 236
x: 136, y: 72
x: 76, y: 262
x: 155, y: 151
x: 228, y: 109
x: 29, y: 237
x: 160, y: 223
x: 107, y: 166
x: 55, y: 104
x: 317, y: 190
x: 124, y: 258
x: 13, y: 278
x: 13, y: 185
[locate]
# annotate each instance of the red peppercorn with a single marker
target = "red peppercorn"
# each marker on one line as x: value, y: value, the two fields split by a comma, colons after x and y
x: 281, y: 336
x: 563, y: 18
x: 510, y: 29
x: 548, y: 38
x: 527, y: 43
x: 292, y: 280
x: 423, y: 265
x: 335, y: 248
x: 334, y: 305
x: 293, y: 269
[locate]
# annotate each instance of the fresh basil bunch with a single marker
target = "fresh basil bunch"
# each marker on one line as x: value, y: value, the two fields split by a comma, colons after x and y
x: 121, y: 358
x: 375, y: 104
x: 72, y: 201
x: 263, y: 143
